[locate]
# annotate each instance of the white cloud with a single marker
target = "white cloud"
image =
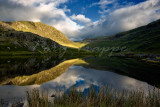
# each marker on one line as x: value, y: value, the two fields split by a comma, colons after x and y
x: 81, y: 18
x: 35, y: 2
x: 26, y: 2
x: 47, y: 11
x: 103, y: 3
x: 124, y: 19
x: 70, y: 28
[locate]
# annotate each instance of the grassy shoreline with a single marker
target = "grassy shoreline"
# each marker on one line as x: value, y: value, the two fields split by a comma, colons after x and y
x: 105, y: 96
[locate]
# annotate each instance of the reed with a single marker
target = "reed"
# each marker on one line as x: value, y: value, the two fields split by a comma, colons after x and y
x: 36, y: 98
x: 104, y: 96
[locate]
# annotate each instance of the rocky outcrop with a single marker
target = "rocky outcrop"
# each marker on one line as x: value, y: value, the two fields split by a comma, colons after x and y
x: 26, y: 41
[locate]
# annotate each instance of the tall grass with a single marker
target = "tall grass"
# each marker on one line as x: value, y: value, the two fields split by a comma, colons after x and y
x: 37, y: 99
x: 105, y: 96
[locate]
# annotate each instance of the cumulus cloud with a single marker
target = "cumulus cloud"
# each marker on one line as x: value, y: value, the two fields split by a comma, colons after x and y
x: 124, y: 19
x: 103, y: 3
x: 48, y: 12
x: 81, y: 18
x: 35, y: 2
x: 45, y: 11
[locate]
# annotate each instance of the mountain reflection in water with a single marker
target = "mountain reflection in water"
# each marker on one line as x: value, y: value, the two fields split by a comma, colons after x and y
x: 75, y: 72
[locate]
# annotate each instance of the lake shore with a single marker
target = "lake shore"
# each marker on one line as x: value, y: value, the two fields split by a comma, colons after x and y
x: 102, y: 96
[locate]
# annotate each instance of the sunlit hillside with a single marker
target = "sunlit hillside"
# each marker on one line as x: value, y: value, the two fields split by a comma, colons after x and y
x: 14, y: 42
x: 42, y: 30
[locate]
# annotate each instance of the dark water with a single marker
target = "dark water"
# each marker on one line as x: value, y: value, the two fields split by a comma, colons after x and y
x: 20, y: 74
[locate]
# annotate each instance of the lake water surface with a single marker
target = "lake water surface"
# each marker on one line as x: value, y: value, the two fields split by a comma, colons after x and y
x: 20, y: 74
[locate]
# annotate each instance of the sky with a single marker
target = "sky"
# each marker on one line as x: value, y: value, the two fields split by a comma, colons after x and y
x: 80, y: 19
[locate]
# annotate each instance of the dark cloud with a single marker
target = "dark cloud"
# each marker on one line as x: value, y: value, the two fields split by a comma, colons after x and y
x: 10, y: 11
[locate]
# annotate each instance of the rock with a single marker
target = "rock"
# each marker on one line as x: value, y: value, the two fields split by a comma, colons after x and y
x: 18, y: 104
x: 53, y: 95
x: 8, y: 48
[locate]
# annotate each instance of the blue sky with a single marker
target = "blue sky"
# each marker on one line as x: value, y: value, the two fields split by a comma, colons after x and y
x: 85, y: 7
x: 80, y: 19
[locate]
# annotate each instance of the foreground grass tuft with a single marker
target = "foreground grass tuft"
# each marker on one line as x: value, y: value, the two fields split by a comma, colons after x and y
x: 37, y: 99
x: 105, y: 96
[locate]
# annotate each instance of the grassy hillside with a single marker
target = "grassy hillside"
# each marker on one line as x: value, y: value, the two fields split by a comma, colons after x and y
x: 26, y: 38
x: 18, y: 42
x: 145, y: 39
x: 42, y: 30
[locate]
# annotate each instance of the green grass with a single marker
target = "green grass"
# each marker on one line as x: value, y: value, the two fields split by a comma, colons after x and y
x: 24, y: 43
x: 105, y: 97
x: 43, y: 30
x: 145, y: 39
x: 16, y: 42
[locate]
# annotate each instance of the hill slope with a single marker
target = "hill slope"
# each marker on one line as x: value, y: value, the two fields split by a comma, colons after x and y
x: 42, y: 30
x: 18, y: 42
x: 145, y: 39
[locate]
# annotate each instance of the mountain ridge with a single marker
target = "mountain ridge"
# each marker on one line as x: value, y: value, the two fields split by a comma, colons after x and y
x: 42, y: 30
x: 144, y: 39
x: 14, y: 42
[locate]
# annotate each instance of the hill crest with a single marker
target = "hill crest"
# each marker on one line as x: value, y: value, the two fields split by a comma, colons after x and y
x: 42, y: 30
